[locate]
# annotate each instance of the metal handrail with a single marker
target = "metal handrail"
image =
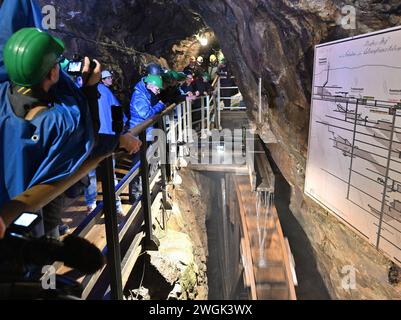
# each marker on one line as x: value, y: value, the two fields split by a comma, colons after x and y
x: 39, y: 196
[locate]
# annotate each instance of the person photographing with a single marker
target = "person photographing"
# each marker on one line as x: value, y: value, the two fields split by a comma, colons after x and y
x: 47, y: 124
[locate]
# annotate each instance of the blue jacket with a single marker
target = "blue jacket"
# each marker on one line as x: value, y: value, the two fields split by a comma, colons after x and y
x: 52, y: 146
x: 141, y: 107
x: 106, y: 100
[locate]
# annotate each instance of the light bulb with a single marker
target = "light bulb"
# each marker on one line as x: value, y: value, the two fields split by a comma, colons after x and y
x: 203, y: 41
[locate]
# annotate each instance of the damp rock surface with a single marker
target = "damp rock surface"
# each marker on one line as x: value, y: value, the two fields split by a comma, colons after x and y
x: 182, y: 255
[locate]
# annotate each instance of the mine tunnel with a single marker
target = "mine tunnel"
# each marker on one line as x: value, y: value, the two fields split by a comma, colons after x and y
x: 268, y: 185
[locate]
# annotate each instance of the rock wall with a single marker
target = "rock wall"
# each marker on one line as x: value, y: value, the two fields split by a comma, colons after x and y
x: 125, y: 35
x: 275, y: 40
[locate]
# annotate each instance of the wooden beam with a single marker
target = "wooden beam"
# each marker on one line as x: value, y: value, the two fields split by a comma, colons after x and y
x: 246, y: 243
x: 240, y: 170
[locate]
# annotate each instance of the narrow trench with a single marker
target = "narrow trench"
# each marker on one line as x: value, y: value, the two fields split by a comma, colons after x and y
x: 213, y: 266
x: 310, y: 282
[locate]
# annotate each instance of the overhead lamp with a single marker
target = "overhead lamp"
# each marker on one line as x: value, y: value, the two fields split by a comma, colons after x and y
x: 203, y: 40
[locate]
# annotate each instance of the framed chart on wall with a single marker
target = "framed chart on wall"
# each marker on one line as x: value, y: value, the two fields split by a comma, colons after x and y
x: 354, y: 154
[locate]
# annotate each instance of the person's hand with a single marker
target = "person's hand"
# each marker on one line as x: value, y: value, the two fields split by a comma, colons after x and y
x: 130, y: 143
x: 91, y: 79
x: 2, y: 228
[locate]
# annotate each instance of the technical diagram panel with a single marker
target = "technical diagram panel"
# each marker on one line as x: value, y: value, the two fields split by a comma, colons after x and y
x: 354, y: 157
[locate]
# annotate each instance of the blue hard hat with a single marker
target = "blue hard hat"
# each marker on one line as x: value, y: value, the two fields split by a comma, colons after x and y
x: 154, y: 69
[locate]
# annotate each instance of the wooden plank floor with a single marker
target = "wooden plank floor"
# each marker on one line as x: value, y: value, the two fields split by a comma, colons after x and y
x: 270, y: 265
x: 76, y: 212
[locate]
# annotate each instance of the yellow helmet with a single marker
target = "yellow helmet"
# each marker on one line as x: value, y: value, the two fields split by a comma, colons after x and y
x: 213, y: 58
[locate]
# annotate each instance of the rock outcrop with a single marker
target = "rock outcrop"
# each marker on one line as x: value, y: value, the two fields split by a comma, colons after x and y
x: 125, y: 35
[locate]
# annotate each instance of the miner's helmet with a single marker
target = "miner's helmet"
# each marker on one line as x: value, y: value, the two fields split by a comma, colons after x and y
x: 106, y: 74
x: 155, y: 80
x: 192, y: 59
x: 175, y: 75
x: 200, y: 59
x: 167, y: 76
x: 154, y: 69
x: 213, y: 58
x: 30, y: 54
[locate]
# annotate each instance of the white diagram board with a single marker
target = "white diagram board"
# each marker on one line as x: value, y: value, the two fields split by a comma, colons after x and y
x: 354, y: 155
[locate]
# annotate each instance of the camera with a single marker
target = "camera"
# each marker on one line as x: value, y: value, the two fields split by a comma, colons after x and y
x: 76, y: 65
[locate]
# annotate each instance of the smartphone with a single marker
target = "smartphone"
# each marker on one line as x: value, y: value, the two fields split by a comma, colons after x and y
x: 25, y: 223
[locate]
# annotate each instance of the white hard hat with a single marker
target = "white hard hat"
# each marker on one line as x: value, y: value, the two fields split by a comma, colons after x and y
x: 200, y: 59
x: 106, y: 74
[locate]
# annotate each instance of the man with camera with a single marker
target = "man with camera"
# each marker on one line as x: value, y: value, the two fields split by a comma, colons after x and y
x: 46, y: 126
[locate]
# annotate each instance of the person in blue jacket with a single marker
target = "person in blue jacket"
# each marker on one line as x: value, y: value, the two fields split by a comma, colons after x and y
x: 141, y: 109
x: 46, y: 130
x: 46, y: 123
x: 106, y: 100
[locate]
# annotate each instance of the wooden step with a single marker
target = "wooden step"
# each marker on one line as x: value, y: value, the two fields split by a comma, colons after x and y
x: 272, y: 292
x: 272, y: 274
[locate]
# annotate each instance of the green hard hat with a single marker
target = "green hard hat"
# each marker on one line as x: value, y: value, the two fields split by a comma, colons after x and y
x: 174, y: 74
x: 30, y: 54
x: 166, y: 76
x: 155, y: 80
x: 206, y: 75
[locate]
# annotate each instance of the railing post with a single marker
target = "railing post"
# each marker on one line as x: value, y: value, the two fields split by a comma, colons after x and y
x: 203, y: 115
x: 208, y: 113
x: 180, y: 131
x: 189, y: 124
x: 173, y: 144
x: 185, y: 118
x: 218, y: 104
x: 165, y: 172
x: 151, y: 242
x: 113, y: 242
x: 260, y: 100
